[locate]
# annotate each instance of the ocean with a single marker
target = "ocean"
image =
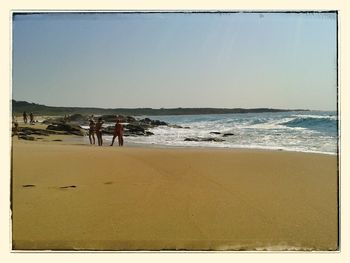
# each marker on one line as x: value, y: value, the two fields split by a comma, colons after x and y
x: 302, y: 131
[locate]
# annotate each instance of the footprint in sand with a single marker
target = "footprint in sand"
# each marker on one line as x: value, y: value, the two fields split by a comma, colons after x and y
x: 68, y: 186
x: 28, y: 185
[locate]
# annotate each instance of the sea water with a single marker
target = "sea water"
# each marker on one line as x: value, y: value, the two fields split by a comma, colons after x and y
x: 305, y: 131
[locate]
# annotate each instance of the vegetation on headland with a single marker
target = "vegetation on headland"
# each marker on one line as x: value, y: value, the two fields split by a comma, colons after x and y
x: 18, y: 107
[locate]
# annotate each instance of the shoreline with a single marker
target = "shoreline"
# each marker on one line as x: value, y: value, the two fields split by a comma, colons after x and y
x: 158, y: 140
x: 243, y: 148
x: 78, y: 140
x: 164, y: 146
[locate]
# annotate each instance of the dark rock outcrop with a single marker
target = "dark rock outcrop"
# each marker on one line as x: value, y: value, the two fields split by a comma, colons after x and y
x: 175, y: 126
x: 67, y: 128
x: 113, y: 118
x: 27, y: 132
x: 109, y: 118
x: 134, y: 127
x: 129, y: 119
x: 31, y: 131
x: 26, y: 137
x: 108, y: 130
x: 153, y: 122
x: 191, y: 140
x: 52, y: 120
x: 76, y: 118
x: 199, y: 139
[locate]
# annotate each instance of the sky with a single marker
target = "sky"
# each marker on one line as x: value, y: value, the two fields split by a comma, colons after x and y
x: 170, y: 60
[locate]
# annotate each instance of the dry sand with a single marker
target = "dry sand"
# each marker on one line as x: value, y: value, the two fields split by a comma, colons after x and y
x: 110, y: 198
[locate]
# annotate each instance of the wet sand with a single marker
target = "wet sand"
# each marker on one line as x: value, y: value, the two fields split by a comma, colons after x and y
x: 110, y: 198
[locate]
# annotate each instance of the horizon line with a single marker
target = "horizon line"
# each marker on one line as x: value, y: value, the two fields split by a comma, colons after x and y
x: 165, y: 108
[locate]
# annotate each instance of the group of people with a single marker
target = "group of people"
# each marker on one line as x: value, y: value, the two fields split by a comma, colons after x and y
x: 96, y: 128
x: 31, y: 118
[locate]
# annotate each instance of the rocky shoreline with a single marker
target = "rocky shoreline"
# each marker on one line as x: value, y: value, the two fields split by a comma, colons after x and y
x: 73, y: 125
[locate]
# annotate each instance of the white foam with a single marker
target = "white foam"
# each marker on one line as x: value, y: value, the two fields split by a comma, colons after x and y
x: 269, y: 134
x: 330, y: 117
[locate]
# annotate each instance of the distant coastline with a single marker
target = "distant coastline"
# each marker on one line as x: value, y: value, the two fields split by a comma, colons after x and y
x: 18, y: 107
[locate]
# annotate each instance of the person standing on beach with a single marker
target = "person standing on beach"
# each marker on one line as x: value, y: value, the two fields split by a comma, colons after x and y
x: 92, y: 131
x: 98, y: 129
x: 119, y: 130
x: 25, y: 119
x: 31, y: 116
x: 65, y: 119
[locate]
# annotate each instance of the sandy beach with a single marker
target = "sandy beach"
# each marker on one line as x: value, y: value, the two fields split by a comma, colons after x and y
x: 231, y: 123
x: 69, y: 196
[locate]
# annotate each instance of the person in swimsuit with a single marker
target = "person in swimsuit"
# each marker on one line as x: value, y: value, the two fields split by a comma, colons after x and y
x: 25, y: 119
x: 119, y: 130
x: 98, y: 130
x: 31, y: 116
x: 92, y: 131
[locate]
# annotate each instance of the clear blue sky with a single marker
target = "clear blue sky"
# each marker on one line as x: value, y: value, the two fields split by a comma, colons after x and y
x: 281, y: 60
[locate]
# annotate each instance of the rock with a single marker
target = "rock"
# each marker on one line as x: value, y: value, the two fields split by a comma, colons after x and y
x: 130, y: 119
x: 51, y: 120
x: 67, y: 128
x: 175, y: 126
x: 108, y: 130
x: 228, y: 134
x: 146, y: 120
x: 158, y: 123
x: 76, y: 117
x: 199, y: 139
x: 215, y: 132
x: 153, y: 122
x: 110, y: 118
x: 191, y: 140
x: 134, y: 128
x: 212, y: 140
x: 122, y: 118
x: 26, y: 137
x: 30, y: 131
